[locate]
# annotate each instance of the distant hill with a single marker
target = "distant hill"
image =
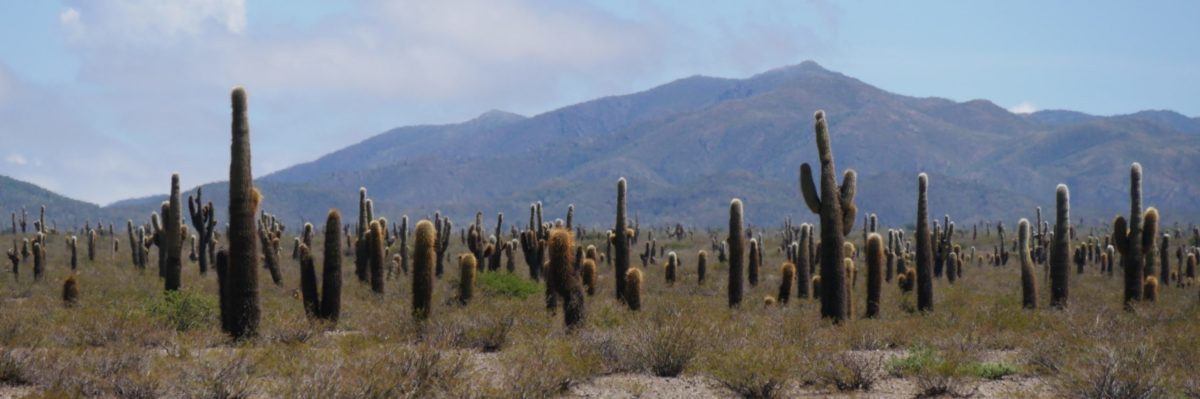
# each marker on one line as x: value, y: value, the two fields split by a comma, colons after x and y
x: 689, y: 146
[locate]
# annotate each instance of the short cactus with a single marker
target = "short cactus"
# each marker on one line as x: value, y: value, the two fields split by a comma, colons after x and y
x: 424, y: 257
x: 331, y: 289
x: 672, y: 267
x: 701, y: 266
x: 875, y: 261
x: 787, y: 275
x: 567, y: 283
x: 466, y: 278
x: 70, y: 291
x: 588, y: 274
x: 1151, y: 289
x: 376, y: 245
x: 633, y: 289
x: 753, y: 266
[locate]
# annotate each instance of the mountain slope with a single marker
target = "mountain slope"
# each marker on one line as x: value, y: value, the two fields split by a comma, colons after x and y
x: 689, y: 146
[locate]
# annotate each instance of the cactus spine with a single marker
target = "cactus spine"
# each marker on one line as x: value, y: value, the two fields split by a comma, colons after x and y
x: 1060, y: 249
x: 835, y: 205
x: 737, y: 252
x: 621, y: 243
x: 1028, y: 278
x: 875, y: 261
x: 424, y: 256
x: 924, y: 268
x: 242, y: 273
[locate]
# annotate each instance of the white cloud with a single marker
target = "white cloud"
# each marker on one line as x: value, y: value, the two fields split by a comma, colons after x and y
x: 150, y: 21
x: 16, y: 159
x: 1025, y: 107
x: 153, y: 76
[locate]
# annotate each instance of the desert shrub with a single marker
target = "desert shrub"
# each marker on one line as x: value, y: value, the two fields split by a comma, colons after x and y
x: 507, y: 284
x: 849, y: 371
x: 184, y: 309
x: 12, y: 367
x: 545, y: 368
x: 486, y: 331
x: 221, y: 378
x: 1115, y: 373
x: 751, y: 368
x: 668, y: 345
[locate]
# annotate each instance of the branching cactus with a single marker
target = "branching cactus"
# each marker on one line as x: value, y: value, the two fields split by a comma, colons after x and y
x: 835, y: 205
x: 1060, y: 249
x: 205, y: 223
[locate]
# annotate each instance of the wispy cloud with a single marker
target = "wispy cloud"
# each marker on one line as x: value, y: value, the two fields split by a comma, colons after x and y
x: 16, y: 159
x: 1025, y: 107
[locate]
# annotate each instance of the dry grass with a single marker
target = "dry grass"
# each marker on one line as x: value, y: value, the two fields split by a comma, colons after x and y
x: 125, y: 339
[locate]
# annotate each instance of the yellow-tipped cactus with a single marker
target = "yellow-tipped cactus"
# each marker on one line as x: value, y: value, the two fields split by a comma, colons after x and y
x: 633, y: 288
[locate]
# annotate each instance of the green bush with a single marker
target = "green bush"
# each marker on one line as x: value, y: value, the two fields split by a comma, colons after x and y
x: 919, y: 359
x: 992, y: 370
x: 185, y: 310
x: 507, y: 284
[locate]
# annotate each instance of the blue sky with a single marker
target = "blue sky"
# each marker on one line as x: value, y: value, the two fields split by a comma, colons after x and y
x: 102, y: 100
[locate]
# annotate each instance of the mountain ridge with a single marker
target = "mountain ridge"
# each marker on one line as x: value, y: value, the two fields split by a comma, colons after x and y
x: 689, y: 145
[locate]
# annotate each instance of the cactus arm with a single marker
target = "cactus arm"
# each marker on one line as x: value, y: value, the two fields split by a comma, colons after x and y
x: 809, y: 189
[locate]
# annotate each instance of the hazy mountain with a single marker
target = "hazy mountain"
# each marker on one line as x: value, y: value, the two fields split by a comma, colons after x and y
x: 689, y: 146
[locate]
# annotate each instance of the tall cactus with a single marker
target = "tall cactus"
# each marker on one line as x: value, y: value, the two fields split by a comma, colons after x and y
x: 242, y: 275
x: 1127, y: 238
x: 621, y: 242
x: 1028, y: 278
x: 787, y: 276
x: 308, y: 283
x: 803, y: 266
x: 1149, y: 245
x: 172, y: 239
x: 835, y: 205
x: 737, y: 252
x: 924, y: 258
x: 1060, y: 249
x: 753, y: 265
x: 360, y: 242
x: 466, y: 278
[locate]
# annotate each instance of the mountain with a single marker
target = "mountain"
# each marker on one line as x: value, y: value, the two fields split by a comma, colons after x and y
x: 15, y: 194
x: 689, y: 146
